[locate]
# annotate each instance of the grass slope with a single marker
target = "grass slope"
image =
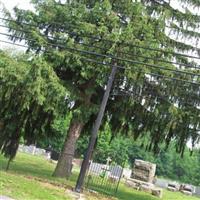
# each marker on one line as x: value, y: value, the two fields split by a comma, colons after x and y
x: 29, y: 178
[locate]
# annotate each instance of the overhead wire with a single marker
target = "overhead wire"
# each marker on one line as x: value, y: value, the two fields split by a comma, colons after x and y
x: 105, y: 49
x: 106, y: 56
x: 111, y: 41
x: 124, y: 82
x: 147, y: 73
x: 151, y: 96
x: 13, y: 43
x: 149, y: 87
x: 152, y: 90
x: 121, y: 67
x: 107, y: 64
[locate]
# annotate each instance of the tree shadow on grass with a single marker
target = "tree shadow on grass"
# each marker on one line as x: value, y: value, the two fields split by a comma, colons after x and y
x: 35, y: 166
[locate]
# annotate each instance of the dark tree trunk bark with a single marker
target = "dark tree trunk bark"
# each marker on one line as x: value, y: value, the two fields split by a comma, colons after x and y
x: 8, y: 164
x: 64, y: 165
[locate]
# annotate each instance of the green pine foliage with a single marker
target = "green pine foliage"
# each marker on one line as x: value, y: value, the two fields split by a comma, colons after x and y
x: 54, y: 140
x: 181, y: 20
x: 31, y: 98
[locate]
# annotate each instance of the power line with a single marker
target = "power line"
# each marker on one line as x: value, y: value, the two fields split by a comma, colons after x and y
x: 15, y: 44
x: 105, y: 49
x: 150, y: 96
x: 111, y: 41
x: 150, y: 86
x: 148, y: 73
x: 172, y: 78
x: 108, y: 64
x: 151, y: 91
x: 145, y: 57
x: 124, y: 83
x: 106, y: 56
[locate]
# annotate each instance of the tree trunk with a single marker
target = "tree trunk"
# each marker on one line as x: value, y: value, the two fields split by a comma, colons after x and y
x: 64, y: 165
x: 8, y: 164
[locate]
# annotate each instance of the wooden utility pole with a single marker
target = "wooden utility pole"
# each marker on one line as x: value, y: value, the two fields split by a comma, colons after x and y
x: 95, y: 130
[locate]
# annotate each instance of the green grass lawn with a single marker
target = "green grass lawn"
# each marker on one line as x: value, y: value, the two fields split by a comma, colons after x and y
x: 29, y: 178
x: 28, y: 189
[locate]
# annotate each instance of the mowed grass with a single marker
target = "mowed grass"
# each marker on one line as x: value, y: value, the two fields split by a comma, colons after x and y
x: 130, y: 194
x: 21, y: 183
x: 30, y: 178
x: 21, y: 188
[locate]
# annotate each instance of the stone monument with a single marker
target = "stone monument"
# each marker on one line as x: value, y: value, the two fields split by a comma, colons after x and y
x: 144, y: 171
x: 142, y: 178
x: 187, y: 189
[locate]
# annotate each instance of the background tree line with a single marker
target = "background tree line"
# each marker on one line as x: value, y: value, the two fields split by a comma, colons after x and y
x: 170, y: 165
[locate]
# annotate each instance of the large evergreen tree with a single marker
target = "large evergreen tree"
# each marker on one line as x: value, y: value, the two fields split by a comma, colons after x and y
x: 31, y: 97
x: 56, y: 29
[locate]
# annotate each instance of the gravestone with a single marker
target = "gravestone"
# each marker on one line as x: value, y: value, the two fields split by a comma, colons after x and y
x: 108, y: 160
x: 173, y: 187
x: 142, y: 178
x: 162, y: 183
x: 197, y: 191
x: 144, y: 171
x: 104, y: 177
x: 127, y: 173
x: 157, y: 192
x: 77, y: 162
x: 186, y: 189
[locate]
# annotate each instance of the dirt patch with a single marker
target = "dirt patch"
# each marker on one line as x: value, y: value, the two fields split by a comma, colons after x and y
x: 48, y: 182
x: 51, y: 186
